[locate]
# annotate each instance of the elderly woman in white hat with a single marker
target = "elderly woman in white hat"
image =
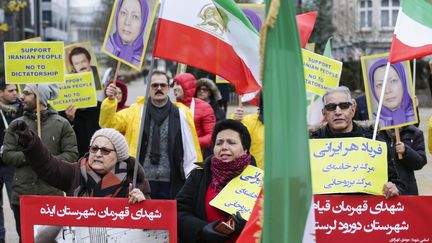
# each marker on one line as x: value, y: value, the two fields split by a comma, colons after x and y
x: 105, y: 171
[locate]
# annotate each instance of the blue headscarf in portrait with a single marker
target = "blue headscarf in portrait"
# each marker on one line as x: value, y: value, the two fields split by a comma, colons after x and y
x: 131, y: 53
x: 253, y: 18
x: 405, y: 112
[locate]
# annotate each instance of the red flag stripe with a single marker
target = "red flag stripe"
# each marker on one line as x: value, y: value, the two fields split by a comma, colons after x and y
x: 197, y: 48
x: 401, y: 52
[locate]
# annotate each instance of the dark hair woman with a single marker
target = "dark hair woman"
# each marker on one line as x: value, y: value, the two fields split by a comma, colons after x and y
x: 196, y: 217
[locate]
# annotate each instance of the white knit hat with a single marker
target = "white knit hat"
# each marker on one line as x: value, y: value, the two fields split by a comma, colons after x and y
x: 116, y: 138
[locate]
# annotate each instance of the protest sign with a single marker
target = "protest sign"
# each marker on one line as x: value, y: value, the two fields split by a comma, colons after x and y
x: 358, y: 219
x: 34, y: 62
x: 321, y: 73
x: 80, y: 58
x: 241, y: 193
x: 348, y: 165
x: 128, y: 31
x: 78, y: 90
x: 42, y: 211
x: 398, y: 106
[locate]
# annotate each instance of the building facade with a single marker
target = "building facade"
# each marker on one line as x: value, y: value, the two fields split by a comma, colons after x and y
x: 363, y: 27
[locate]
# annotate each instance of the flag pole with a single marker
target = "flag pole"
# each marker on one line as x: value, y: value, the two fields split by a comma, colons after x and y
x: 141, y: 130
x: 381, y: 101
x: 414, y: 74
x: 39, y: 131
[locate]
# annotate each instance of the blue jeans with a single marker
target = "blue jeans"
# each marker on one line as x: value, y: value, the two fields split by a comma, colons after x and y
x: 6, y: 177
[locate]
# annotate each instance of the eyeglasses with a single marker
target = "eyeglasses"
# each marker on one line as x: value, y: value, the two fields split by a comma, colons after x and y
x: 342, y: 106
x: 104, y: 151
x: 162, y: 86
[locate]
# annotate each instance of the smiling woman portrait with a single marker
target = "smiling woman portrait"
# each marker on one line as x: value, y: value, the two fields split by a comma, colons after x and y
x: 398, y: 107
x: 127, y: 41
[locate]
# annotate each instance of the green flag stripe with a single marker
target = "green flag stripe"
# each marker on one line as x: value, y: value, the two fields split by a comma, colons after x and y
x: 287, y: 183
x: 231, y: 6
x: 418, y: 10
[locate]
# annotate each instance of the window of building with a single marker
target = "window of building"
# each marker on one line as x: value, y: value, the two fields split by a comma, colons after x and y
x: 389, y: 12
x: 47, y: 17
x: 365, y: 14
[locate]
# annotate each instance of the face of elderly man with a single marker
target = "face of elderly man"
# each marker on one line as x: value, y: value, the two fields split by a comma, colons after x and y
x: 340, y: 118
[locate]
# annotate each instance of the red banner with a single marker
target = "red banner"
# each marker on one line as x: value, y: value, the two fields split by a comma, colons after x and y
x: 97, y: 212
x: 353, y: 219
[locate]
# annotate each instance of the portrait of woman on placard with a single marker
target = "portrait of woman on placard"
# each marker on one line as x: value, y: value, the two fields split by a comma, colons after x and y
x: 127, y: 41
x: 398, y: 107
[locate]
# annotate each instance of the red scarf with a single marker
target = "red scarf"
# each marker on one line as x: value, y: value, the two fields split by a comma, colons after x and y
x: 223, y: 172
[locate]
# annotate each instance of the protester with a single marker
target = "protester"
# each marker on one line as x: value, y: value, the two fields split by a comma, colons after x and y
x: 196, y: 217
x: 127, y: 42
x: 170, y: 144
x: 207, y: 90
x: 56, y: 133
x: 398, y: 107
x: 361, y: 113
x: 255, y: 125
x: 121, y: 93
x: 10, y: 108
x: 338, y: 111
x: 203, y: 114
x: 105, y: 171
x: 85, y: 122
x: 412, y: 149
x: 80, y: 61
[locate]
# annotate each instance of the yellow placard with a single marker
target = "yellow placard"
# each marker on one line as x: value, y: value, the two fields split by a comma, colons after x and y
x: 398, y: 108
x: 348, y: 165
x: 34, y: 62
x: 151, y: 7
x: 321, y: 73
x: 220, y: 80
x: 241, y: 193
x: 78, y: 90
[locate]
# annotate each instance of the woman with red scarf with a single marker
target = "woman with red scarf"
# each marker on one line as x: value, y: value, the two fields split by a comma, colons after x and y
x: 197, y: 219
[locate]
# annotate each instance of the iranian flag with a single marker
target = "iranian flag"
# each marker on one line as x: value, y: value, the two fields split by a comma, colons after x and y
x: 211, y: 35
x: 413, y: 31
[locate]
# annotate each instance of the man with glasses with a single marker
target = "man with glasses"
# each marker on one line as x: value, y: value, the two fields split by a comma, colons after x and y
x: 56, y: 133
x: 169, y: 145
x: 338, y: 112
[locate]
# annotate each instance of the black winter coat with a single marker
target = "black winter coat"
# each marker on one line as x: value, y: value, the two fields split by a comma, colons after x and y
x: 413, y: 159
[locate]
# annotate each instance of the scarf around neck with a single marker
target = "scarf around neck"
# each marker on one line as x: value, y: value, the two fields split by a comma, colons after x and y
x: 224, y: 172
x: 109, y: 185
x: 158, y: 115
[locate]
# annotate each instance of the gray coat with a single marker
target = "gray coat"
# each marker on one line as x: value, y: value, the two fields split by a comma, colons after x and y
x: 57, y: 135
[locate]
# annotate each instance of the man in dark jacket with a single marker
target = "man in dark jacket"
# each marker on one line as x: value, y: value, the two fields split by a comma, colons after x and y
x: 412, y: 149
x: 10, y: 108
x: 339, y: 109
x: 56, y: 134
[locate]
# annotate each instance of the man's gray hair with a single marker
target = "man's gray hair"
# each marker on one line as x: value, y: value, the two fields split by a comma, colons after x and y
x: 340, y: 89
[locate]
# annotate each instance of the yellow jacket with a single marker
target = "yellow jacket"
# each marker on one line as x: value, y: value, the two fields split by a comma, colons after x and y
x: 128, y: 121
x: 430, y: 135
x: 256, y: 131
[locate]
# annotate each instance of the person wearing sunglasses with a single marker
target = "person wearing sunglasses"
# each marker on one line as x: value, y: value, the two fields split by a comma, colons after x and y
x: 338, y: 112
x: 169, y: 146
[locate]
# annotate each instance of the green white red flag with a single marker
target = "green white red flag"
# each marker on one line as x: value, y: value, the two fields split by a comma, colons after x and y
x: 214, y: 36
x: 413, y: 31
